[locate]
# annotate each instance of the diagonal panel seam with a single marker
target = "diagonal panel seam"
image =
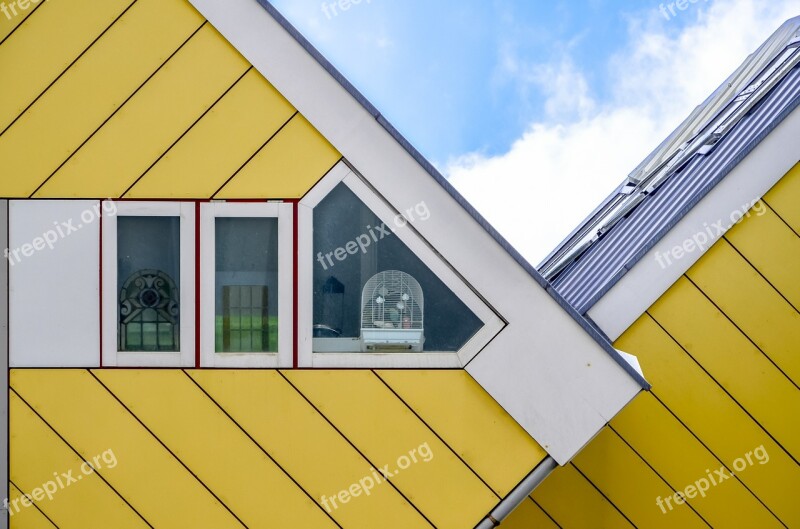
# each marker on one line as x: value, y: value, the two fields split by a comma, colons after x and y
x: 760, y: 273
x: 120, y: 107
x: 20, y: 25
x: 656, y: 472
x: 738, y: 328
x: 603, y: 494
x: 545, y: 512
x: 239, y: 170
x: 389, y: 481
x: 166, y: 448
x: 184, y: 133
x: 736, y: 476
x: 35, y: 505
x: 266, y: 453
x: 722, y: 387
x: 69, y: 66
x: 428, y: 426
x: 777, y: 214
x: 97, y: 472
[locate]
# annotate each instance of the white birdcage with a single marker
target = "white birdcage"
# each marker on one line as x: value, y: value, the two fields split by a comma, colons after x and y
x: 392, y: 309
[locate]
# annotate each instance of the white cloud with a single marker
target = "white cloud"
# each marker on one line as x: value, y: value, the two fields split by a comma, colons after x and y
x: 563, y: 167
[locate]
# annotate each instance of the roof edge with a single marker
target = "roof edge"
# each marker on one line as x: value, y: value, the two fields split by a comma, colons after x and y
x: 451, y: 190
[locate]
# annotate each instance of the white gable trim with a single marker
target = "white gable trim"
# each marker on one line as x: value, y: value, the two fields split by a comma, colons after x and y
x: 747, y: 183
x: 547, y: 371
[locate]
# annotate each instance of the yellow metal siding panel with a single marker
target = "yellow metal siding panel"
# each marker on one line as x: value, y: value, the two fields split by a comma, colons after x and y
x: 94, y: 87
x: 310, y: 449
x: 152, y: 120
x: 221, y: 142
x: 679, y: 458
x: 731, y: 359
x: 37, y: 454
x: 773, y: 248
x: 635, y: 491
x: 712, y: 415
x: 217, y: 451
x: 9, y: 22
x: 582, y: 507
x: 784, y: 198
x: 753, y: 305
x: 29, y: 518
x: 528, y: 516
x: 471, y: 422
x: 384, y: 430
x: 147, y: 475
x: 287, y: 167
x: 45, y: 45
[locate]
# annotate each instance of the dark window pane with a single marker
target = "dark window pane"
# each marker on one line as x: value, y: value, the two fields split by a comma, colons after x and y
x: 148, y: 279
x: 246, y: 285
x: 351, y: 247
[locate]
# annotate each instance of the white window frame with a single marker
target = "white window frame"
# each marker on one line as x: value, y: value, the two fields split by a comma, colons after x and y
x: 112, y: 356
x: 285, y: 215
x: 492, y: 323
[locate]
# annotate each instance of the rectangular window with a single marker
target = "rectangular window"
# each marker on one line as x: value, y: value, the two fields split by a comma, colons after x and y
x: 246, y: 275
x: 247, y: 294
x: 148, y: 285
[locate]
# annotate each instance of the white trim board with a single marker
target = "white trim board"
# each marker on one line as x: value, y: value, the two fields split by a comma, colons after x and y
x: 112, y: 357
x: 547, y: 348
x: 750, y: 180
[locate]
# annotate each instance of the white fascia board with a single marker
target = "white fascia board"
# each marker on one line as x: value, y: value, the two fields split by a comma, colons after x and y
x: 550, y: 375
x: 555, y: 381
x: 749, y: 181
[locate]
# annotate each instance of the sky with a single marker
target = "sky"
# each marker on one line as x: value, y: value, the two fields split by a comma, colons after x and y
x: 536, y: 110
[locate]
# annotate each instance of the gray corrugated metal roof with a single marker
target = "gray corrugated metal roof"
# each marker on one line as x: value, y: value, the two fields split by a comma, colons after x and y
x: 595, y: 333
x: 599, y: 266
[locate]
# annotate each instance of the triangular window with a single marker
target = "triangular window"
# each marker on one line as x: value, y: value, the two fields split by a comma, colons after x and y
x: 380, y: 296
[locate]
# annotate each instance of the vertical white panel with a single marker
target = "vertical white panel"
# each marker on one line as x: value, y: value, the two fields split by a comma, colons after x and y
x: 54, y: 264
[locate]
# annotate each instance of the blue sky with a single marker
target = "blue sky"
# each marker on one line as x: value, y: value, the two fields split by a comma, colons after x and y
x: 536, y: 109
x: 437, y: 69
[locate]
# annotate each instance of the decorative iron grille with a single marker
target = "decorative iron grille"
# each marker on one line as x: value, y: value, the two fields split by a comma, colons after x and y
x: 149, y: 320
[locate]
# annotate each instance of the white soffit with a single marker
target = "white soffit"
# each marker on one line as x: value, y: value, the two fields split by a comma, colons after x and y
x: 750, y: 180
x: 544, y: 368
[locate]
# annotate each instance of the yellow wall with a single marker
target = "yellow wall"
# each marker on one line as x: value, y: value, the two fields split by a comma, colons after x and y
x: 144, y: 99
x: 223, y: 448
x: 722, y: 350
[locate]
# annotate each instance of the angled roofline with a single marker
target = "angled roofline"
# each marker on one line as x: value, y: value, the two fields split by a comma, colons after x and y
x: 587, y: 326
x: 725, y: 156
x: 697, y: 134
